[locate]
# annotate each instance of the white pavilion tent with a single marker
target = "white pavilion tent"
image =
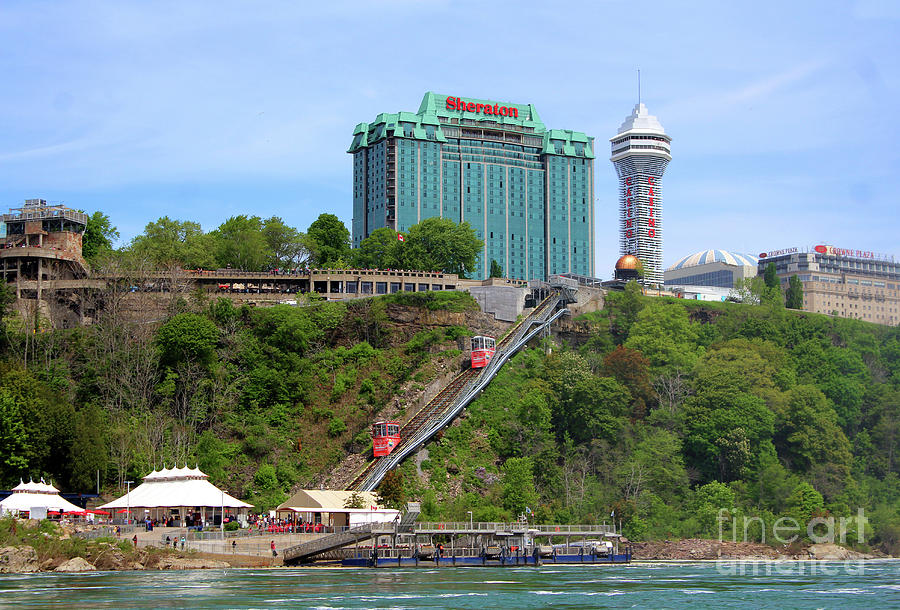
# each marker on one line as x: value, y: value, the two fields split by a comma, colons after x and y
x: 28, y: 496
x: 176, y: 491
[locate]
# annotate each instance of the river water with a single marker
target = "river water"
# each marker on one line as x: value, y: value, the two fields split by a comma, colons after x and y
x: 647, y: 585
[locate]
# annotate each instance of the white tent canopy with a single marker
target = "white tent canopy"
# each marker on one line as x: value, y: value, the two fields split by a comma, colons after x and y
x: 175, y: 488
x: 26, y: 496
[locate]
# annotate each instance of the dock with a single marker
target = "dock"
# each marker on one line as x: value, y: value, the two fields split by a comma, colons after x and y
x: 411, y: 543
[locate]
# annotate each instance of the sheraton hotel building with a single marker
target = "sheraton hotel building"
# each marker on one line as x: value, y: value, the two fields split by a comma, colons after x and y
x: 526, y: 190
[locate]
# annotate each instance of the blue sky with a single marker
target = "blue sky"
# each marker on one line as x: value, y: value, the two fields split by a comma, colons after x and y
x: 784, y: 115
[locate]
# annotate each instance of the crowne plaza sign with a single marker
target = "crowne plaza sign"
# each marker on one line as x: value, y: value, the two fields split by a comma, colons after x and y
x: 833, y: 251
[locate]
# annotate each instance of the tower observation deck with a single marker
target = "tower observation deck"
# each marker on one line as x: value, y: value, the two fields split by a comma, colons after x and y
x: 640, y: 154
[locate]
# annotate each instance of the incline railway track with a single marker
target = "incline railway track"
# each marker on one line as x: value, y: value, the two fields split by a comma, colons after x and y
x: 448, y: 397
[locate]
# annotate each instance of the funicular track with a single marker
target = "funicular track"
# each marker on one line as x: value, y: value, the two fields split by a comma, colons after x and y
x: 457, y: 394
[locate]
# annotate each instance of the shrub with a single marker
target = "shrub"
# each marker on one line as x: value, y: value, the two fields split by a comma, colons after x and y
x: 336, y: 427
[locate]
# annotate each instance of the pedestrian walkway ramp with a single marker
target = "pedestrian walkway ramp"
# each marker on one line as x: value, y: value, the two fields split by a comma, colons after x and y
x: 305, y: 551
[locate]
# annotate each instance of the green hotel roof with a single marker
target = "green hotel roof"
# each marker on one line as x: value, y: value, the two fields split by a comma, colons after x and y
x: 555, y: 141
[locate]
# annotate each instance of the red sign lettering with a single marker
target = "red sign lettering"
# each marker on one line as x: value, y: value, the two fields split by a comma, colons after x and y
x: 455, y: 103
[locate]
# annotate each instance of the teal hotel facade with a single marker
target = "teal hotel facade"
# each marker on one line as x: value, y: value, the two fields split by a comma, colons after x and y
x: 526, y: 190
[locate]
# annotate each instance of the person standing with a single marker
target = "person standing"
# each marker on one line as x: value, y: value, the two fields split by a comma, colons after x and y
x: 182, y: 542
x: 274, y: 552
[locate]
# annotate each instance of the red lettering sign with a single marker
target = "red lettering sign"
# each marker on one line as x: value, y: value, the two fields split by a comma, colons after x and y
x: 821, y: 249
x: 455, y: 103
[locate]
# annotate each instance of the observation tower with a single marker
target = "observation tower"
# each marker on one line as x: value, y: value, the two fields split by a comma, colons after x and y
x: 640, y: 154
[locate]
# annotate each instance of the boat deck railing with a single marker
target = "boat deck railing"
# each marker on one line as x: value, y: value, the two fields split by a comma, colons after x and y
x: 516, y: 527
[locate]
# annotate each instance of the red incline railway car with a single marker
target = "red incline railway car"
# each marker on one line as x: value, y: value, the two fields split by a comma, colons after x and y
x: 385, y: 437
x: 482, y: 351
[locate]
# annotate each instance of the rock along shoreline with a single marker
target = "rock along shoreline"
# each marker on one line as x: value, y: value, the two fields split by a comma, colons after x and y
x: 109, y: 557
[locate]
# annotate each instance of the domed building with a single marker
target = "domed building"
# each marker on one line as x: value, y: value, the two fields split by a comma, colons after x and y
x: 716, y: 268
x: 628, y: 267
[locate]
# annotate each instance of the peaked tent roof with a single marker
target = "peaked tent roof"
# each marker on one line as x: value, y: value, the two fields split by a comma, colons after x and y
x: 176, y: 487
x: 26, y: 496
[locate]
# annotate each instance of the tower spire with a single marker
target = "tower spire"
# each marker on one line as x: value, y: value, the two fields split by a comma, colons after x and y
x: 639, y: 86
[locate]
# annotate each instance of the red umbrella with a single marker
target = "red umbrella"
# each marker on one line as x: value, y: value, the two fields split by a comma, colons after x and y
x: 97, y: 511
x: 123, y: 510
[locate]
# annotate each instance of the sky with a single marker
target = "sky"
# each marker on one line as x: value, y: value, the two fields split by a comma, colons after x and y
x: 783, y: 115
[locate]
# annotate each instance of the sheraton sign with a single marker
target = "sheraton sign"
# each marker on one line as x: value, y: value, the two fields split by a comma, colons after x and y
x: 455, y: 103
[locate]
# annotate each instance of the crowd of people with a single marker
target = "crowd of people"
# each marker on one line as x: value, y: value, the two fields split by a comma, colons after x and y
x: 263, y: 524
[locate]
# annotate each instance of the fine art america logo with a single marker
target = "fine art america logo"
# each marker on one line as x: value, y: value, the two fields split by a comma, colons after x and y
x: 785, y: 531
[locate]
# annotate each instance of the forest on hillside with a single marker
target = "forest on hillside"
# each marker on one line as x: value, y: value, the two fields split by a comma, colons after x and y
x: 659, y: 413
x: 670, y: 410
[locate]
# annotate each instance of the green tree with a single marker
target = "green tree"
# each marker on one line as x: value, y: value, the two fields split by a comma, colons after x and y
x: 187, y: 337
x: 748, y: 290
x: 665, y: 336
x: 48, y: 417
x: 657, y: 465
x: 794, y: 295
x: 709, y: 500
x: 773, y: 286
x: 587, y: 406
x: 439, y: 244
x: 166, y: 241
x: 518, y: 485
x: 631, y: 369
x: 496, y: 269
x: 725, y: 428
x: 14, y: 447
x: 624, y: 308
x: 89, y: 447
x: 391, y: 492
x: 380, y: 250
x: 771, y: 276
x: 99, y: 234
x: 804, y: 502
x: 267, y: 492
x: 242, y: 244
x: 328, y: 241
x: 212, y: 456
x: 286, y: 245
x: 809, y: 440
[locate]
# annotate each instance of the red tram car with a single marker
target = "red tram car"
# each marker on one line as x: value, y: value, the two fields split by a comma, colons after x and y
x: 385, y: 437
x: 482, y: 351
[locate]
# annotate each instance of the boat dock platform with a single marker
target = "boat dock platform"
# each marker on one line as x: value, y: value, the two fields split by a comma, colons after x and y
x: 407, y: 543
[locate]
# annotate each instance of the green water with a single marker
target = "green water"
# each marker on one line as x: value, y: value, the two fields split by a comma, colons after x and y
x: 646, y: 585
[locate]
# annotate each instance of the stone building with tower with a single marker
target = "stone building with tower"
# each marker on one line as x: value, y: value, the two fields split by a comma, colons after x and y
x: 41, y: 257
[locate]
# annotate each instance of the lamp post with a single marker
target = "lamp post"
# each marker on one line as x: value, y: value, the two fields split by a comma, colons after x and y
x: 128, y: 503
x: 222, y: 519
x: 470, y: 519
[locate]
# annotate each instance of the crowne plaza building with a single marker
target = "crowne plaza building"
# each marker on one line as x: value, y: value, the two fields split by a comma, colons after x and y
x: 526, y: 190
